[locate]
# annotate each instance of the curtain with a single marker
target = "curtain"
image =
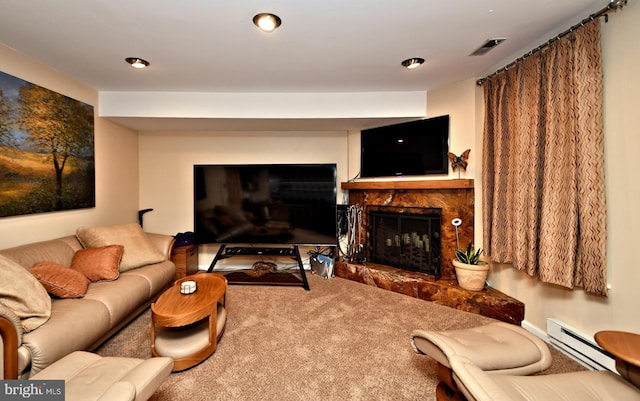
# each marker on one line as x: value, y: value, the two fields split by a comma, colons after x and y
x: 543, y: 164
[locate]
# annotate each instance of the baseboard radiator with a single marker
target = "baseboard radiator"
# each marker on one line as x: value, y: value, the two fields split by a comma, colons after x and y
x: 579, y: 347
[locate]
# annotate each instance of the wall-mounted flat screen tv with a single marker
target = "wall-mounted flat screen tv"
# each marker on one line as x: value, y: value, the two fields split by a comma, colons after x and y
x: 265, y: 204
x: 411, y: 148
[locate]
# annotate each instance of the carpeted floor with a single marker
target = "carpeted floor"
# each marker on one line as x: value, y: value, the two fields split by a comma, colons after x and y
x: 340, y: 341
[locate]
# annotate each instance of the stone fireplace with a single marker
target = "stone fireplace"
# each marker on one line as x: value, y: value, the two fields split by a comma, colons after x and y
x: 442, y: 200
x: 453, y: 199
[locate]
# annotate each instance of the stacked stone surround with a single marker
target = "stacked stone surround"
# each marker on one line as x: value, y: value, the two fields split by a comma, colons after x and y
x: 456, y: 199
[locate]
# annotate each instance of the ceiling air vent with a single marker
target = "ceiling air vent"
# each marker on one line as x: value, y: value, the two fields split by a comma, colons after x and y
x: 488, y: 45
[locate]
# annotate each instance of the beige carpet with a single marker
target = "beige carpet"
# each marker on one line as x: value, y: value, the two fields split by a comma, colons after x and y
x: 340, y: 341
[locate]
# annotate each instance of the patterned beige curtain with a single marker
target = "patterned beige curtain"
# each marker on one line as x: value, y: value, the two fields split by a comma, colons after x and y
x: 543, y: 164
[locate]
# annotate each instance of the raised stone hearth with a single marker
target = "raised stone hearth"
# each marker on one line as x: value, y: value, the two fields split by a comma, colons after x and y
x: 489, y: 302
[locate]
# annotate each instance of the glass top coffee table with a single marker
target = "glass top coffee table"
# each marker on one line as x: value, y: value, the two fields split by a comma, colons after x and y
x: 186, y: 327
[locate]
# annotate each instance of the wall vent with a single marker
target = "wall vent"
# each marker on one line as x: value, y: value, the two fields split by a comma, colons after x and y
x: 579, y: 347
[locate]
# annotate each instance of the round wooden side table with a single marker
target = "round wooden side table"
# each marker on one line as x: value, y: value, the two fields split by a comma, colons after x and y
x: 625, y: 347
x: 186, y: 327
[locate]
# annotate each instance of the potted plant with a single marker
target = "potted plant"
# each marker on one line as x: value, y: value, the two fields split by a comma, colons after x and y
x: 470, y: 270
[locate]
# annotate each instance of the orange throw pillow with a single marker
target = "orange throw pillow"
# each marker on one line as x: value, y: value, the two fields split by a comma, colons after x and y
x: 59, y: 280
x: 98, y: 264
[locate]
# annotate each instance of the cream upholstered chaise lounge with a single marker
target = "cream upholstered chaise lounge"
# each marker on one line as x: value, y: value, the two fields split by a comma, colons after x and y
x: 497, y: 347
x: 494, y: 363
x: 478, y: 385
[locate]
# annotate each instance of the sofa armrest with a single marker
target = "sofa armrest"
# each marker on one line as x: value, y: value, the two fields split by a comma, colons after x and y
x: 162, y: 242
x: 11, y: 333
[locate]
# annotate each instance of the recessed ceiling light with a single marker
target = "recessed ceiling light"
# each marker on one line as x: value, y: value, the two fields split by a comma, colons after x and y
x: 412, y: 63
x: 267, y: 22
x: 137, y: 62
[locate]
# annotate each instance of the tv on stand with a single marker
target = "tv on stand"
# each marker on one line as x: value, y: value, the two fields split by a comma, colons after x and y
x: 265, y: 210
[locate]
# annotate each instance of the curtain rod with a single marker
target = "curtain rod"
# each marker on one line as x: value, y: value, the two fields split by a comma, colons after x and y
x: 613, y: 5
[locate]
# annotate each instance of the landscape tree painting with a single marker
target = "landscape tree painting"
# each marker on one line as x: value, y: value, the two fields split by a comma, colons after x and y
x: 46, y: 150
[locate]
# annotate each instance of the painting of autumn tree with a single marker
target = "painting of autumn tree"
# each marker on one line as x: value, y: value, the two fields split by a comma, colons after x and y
x: 46, y: 150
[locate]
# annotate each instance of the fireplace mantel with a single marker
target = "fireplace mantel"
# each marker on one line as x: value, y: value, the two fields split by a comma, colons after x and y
x: 406, y: 184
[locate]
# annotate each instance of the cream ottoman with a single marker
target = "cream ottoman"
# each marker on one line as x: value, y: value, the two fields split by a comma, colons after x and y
x: 90, y: 377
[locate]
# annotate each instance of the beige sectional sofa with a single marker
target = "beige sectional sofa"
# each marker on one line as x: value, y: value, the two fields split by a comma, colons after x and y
x: 83, y: 322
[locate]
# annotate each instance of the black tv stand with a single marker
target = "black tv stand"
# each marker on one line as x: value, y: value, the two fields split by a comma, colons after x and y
x: 276, y: 278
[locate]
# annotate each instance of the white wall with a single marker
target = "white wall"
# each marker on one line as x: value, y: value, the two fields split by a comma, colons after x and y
x: 618, y: 311
x: 459, y: 101
x: 116, y: 157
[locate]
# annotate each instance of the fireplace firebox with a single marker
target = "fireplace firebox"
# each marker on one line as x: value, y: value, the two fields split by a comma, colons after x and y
x: 407, y: 240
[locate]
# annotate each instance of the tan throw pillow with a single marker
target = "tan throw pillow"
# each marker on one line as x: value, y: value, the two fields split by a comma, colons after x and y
x: 59, y: 280
x: 98, y: 264
x: 21, y: 292
x: 138, y: 250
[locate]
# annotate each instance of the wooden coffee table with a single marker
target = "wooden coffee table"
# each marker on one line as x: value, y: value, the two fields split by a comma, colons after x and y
x: 187, y: 327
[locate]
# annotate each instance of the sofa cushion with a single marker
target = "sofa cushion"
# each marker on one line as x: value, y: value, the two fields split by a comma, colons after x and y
x: 59, y: 280
x: 138, y: 250
x: 98, y: 264
x: 75, y: 324
x: 120, y: 297
x: 157, y: 275
x: 21, y: 292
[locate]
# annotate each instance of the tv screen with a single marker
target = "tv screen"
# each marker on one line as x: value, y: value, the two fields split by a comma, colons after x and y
x: 412, y: 148
x: 265, y: 204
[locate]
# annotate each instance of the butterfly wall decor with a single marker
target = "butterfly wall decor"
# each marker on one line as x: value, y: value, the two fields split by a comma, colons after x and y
x: 459, y: 161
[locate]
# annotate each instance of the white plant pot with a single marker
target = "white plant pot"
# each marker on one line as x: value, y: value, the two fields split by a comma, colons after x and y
x: 471, y: 277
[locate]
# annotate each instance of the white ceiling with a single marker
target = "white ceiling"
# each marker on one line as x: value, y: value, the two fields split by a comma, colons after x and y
x: 322, y: 46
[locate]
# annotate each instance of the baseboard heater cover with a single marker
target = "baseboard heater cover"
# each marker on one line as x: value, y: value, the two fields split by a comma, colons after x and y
x: 579, y: 347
